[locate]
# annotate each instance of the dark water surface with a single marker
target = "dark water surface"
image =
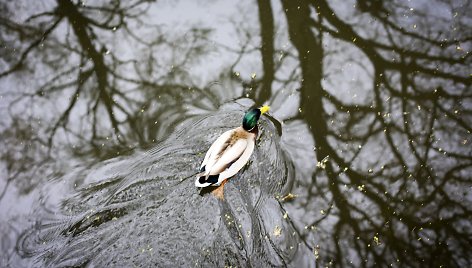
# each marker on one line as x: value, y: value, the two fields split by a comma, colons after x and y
x: 108, y: 108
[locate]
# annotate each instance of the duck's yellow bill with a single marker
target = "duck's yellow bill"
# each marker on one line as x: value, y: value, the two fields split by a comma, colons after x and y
x: 264, y: 109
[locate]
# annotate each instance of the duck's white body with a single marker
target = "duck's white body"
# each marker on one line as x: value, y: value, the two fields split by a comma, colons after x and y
x: 226, y: 156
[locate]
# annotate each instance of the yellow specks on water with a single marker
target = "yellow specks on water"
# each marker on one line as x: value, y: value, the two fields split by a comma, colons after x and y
x: 237, y: 74
x: 316, y: 251
x: 148, y: 248
x: 288, y: 197
x: 277, y: 231
x: 285, y: 215
x: 376, y: 240
x: 253, y: 76
x: 229, y: 219
x: 322, y: 164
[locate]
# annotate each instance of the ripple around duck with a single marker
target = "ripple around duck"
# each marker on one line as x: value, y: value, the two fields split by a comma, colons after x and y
x: 143, y: 209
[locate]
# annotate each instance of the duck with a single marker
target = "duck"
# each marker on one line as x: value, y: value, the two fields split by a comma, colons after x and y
x: 230, y: 152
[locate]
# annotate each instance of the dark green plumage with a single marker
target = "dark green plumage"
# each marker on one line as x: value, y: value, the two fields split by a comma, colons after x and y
x: 250, y: 119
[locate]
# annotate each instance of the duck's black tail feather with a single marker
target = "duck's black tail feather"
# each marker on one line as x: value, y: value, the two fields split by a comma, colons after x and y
x: 211, y: 179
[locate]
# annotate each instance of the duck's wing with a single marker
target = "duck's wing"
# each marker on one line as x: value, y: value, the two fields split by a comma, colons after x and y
x: 239, y: 164
x: 215, y: 148
x: 227, y: 156
x: 220, y: 159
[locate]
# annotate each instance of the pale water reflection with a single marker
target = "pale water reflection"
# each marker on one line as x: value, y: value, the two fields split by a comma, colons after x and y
x: 144, y: 207
x: 108, y: 108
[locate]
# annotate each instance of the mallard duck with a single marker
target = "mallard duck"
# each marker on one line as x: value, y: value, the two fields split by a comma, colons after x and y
x: 231, y: 151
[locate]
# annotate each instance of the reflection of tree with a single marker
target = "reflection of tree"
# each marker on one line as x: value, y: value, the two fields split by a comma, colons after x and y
x: 418, y: 111
x: 106, y: 100
x: 267, y: 48
x: 394, y: 164
x: 24, y: 149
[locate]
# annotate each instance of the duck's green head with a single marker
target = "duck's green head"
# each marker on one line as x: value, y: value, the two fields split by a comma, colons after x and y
x: 252, y: 116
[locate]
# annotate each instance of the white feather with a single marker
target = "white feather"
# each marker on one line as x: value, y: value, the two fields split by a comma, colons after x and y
x: 231, y: 154
x: 216, y: 147
x: 229, y: 162
x: 211, y: 153
x: 238, y: 165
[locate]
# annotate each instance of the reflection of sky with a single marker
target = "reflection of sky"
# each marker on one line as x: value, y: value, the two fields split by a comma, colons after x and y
x: 343, y: 77
x: 180, y: 16
x: 224, y: 18
x: 348, y: 76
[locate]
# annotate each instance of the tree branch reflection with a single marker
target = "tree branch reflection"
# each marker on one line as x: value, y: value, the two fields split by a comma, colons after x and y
x: 407, y: 210
x: 383, y: 90
x: 102, y: 102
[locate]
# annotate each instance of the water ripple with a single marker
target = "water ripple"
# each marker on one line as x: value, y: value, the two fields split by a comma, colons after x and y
x: 143, y: 209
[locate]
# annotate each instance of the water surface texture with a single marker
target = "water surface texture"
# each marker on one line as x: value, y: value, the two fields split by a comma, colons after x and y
x: 108, y: 108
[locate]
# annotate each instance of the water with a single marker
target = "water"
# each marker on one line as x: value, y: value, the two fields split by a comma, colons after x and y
x: 108, y: 110
x: 145, y: 207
